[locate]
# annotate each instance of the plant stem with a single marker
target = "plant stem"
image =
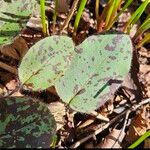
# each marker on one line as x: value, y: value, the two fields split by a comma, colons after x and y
x: 78, y: 16
x: 140, y: 140
x: 144, y: 40
x: 102, y: 17
x: 73, y: 8
x: 145, y: 26
x: 43, y: 16
x: 109, y: 12
x: 97, y: 9
x: 116, y: 5
x: 122, y: 10
x: 136, y: 15
x: 55, y: 14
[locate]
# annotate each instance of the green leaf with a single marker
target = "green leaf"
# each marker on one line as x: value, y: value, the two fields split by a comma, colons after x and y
x: 25, y: 123
x: 96, y: 72
x: 13, y: 17
x: 45, y: 62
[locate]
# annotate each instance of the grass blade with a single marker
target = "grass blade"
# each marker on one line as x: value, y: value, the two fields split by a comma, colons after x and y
x: 136, y: 15
x: 140, y: 140
x: 145, y: 26
x: 110, y: 10
x: 122, y: 10
x: 146, y: 39
x: 102, y: 17
x: 43, y: 16
x: 71, y: 12
x: 97, y: 9
x: 55, y: 14
x: 78, y: 16
x: 116, y: 6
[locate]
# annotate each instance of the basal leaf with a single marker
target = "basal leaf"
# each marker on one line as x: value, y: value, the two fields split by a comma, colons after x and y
x: 13, y: 16
x: 96, y: 72
x: 25, y: 123
x: 46, y: 61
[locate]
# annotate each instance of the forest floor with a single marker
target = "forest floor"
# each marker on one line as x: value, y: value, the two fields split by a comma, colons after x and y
x: 116, y: 124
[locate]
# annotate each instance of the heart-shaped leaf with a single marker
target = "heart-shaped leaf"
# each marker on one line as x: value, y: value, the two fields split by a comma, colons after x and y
x: 25, y: 123
x: 46, y: 61
x: 13, y: 16
x: 96, y: 72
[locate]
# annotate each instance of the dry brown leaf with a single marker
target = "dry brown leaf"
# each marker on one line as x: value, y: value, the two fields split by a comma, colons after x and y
x: 58, y: 110
x: 147, y: 143
x: 16, y: 50
x: 106, y: 109
x: 11, y: 85
x: 113, y: 140
x: 138, y: 126
x: 52, y: 90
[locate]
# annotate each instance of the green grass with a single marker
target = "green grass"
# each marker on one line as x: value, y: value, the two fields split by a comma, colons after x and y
x: 145, y: 26
x: 106, y: 19
x: 43, y: 17
x: 135, y: 16
x: 78, y: 16
x: 140, y: 140
x: 145, y: 40
x: 127, y: 4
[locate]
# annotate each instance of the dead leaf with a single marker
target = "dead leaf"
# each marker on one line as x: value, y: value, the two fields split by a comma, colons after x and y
x: 147, y: 143
x: 138, y: 127
x: 58, y: 110
x: 113, y: 140
x: 11, y: 85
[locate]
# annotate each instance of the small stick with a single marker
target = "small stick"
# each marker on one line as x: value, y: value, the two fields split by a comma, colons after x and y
x: 8, y: 68
x: 73, y: 8
x: 99, y: 116
x: 133, y: 108
x: 123, y: 129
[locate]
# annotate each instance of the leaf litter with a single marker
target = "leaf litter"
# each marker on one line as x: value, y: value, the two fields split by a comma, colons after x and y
x: 139, y: 121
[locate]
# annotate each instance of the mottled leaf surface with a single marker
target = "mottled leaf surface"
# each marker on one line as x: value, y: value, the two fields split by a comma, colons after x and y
x: 13, y: 16
x: 25, y: 123
x: 96, y: 72
x: 45, y: 62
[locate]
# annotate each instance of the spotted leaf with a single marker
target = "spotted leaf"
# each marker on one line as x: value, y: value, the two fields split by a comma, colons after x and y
x: 13, y: 17
x: 25, y: 123
x: 45, y: 62
x: 96, y: 72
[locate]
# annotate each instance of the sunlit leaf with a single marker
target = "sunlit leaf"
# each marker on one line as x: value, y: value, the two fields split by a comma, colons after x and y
x: 96, y: 72
x: 45, y: 62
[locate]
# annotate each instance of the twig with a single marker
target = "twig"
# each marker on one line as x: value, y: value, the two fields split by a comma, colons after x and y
x: 124, y: 126
x: 133, y: 108
x: 55, y: 15
x: 99, y: 116
x: 73, y: 8
x: 8, y: 68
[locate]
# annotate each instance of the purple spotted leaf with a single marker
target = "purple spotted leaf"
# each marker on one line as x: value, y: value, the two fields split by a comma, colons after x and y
x: 46, y: 62
x: 25, y: 123
x: 13, y: 17
x: 96, y: 72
